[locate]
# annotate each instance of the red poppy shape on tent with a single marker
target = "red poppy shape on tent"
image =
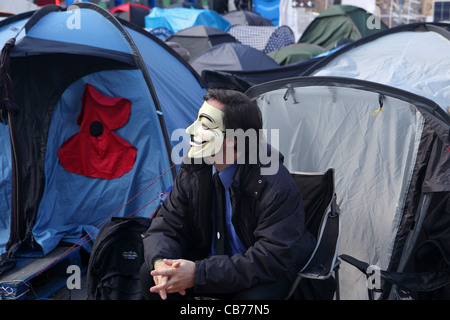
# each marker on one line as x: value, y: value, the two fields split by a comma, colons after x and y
x: 96, y: 151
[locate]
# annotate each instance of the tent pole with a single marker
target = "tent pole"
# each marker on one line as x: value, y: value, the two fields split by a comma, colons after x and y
x: 140, y: 63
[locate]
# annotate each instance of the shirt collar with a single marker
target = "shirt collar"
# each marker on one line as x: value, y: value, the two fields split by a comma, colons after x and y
x: 226, y: 175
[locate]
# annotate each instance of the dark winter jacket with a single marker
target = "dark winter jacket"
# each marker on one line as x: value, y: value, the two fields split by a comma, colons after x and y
x: 268, y: 217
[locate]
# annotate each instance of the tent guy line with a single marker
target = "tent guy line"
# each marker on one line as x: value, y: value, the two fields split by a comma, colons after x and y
x: 77, y: 244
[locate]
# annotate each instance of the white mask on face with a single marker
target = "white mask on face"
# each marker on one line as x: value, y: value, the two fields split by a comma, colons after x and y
x: 207, y: 132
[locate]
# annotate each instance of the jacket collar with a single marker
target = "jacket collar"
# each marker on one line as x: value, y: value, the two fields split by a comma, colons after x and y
x: 247, y: 178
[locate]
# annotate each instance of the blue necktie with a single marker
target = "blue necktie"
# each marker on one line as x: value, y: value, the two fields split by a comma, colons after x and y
x: 219, y: 215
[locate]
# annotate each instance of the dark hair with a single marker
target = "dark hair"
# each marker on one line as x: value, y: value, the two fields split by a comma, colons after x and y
x: 240, y: 112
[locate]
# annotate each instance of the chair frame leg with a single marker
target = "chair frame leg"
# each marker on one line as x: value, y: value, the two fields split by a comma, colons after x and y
x: 336, y: 275
x: 293, y: 287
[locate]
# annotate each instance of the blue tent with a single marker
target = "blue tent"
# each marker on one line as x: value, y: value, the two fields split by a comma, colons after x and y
x: 176, y: 19
x: 57, y: 55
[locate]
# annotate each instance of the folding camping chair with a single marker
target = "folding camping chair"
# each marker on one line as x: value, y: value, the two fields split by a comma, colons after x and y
x: 405, y: 281
x: 322, y: 219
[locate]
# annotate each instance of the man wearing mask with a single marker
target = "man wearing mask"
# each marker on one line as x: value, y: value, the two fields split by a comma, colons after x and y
x: 226, y: 229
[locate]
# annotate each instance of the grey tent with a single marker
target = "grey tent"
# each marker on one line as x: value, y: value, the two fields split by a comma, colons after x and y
x: 184, y: 53
x: 391, y: 155
x: 199, y: 38
x: 246, y: 17
x: 17, y: 6
x: 232, y: 56
x: 414, y: 57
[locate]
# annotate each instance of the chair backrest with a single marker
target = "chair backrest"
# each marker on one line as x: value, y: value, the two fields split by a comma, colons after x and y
x: 322, y: 219
x: 317, y: 189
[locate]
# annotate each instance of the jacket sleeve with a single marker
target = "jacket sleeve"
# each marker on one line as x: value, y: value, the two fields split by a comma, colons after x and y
x: 281, y: 242
x: 166, y: 237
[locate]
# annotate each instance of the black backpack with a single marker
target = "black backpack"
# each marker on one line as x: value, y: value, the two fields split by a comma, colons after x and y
x: 116, y: 258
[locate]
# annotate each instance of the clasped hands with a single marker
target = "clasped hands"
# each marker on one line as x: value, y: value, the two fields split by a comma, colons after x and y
x: 173, y: 275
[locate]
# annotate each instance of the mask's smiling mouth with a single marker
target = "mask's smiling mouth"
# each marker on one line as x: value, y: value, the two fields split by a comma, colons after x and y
x: 195, y: 142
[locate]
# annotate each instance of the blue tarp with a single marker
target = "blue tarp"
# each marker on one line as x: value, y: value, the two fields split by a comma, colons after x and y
x: 176, y: 19
x: 269, y: 9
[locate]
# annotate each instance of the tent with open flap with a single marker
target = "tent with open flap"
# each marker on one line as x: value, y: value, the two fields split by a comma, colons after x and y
x: 90, y: 128
x: 390, y: 149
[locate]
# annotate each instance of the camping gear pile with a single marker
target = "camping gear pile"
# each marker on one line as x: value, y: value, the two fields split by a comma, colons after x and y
x: 371, y: 103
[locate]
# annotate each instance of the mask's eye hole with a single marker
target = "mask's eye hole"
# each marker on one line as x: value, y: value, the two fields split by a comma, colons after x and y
x: 207, y: 122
